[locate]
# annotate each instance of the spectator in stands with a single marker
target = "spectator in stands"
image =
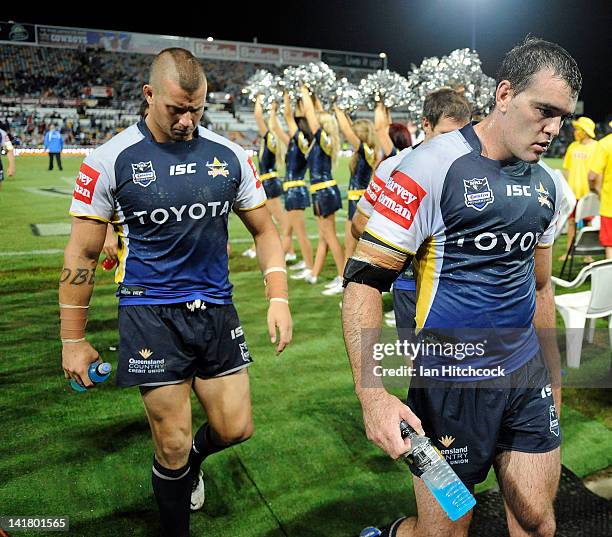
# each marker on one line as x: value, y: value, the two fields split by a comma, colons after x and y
x: 600, y: 182
x: 54, y: 143
x: 576, y: 168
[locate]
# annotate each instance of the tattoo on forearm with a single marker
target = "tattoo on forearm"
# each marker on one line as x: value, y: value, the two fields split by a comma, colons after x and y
x: 78, y: 276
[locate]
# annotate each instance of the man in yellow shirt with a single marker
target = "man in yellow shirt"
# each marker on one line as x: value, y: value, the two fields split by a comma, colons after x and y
x: 600, y: 182
x: 576, y: 166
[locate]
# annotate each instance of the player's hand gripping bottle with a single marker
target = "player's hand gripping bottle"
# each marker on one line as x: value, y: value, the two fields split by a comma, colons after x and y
x: 426, y: 462
x: 98, y: 372
x: 108, y: 264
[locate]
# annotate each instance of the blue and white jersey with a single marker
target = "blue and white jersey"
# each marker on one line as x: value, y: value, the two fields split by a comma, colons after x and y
x: 295, y: 158
x: 169, y: 204
x: 363, y: 170
x: 320, y: 158
x: 472, y: 225
x: 267, y: 154
x: 405, y: 281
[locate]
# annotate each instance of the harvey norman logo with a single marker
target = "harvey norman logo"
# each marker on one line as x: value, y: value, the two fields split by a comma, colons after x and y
x: 85, y: 184
x: 400, y: 199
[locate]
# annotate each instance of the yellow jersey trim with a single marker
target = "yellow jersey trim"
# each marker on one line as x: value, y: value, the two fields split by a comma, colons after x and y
x: 425, y: 266
x: 90, y: 217
x: 385, y: 241
x: 253, y: 208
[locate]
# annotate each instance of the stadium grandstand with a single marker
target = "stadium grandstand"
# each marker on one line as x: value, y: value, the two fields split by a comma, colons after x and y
x: 90, y: 92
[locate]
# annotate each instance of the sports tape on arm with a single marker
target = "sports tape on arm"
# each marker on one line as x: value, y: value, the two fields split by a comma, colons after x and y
x: 275, y: 280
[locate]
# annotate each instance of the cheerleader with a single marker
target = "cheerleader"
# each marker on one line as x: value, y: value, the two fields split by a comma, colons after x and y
x: 268, y: 152
x: 360, y: 135
x: 325, y: 194
x: 297, y: 141
x: 392, y: 137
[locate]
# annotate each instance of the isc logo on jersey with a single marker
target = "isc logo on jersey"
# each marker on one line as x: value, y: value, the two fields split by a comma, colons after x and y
x: 400, y: 199
x: 183, y: 169
x: 85, y: 184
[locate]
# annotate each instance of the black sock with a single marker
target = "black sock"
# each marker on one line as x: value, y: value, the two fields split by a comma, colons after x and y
x: 172, y: 489
x: 204, y: 444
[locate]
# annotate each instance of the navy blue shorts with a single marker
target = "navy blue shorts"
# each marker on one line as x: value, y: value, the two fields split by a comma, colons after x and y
x: 297, y: 198
x: 326, y: 201
x: 352, y: 207
x: 404, y: 306
x: 472, y: 422
x: 273, y: 187
x: 169, y: 343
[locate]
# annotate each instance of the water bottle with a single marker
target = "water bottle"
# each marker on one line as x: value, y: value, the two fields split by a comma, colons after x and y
x: 98, y: 372
x: 452, y: 495
x: 108, y: 264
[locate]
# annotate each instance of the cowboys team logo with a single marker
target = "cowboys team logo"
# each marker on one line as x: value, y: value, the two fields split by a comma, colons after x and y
x: 478, y: 193
x: 143, y: 173
x: 217, y: 168
x: 543, y: 196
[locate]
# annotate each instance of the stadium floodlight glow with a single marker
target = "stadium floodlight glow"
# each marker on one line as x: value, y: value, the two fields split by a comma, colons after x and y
x: 209, y: 39
x: 383, y: 56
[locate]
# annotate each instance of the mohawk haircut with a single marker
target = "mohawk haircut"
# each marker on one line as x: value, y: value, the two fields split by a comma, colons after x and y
x: 180, y: 65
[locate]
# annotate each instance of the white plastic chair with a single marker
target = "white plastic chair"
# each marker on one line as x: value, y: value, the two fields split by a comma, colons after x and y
x: 568, y: 202
x: 576, y: 308
x: 586, y: 241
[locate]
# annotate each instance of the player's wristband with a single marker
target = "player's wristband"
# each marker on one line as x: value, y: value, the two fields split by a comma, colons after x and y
x: 275, y: 279
x: 73, y: 320
x: 283, y: 300
x: 65, y: 340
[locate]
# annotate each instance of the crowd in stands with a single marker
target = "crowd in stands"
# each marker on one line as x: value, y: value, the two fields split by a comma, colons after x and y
x: 26, y: 128
x: 65, y: 73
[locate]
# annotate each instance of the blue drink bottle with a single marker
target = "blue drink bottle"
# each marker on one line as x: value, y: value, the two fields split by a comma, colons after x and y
x: 98, y: 372
x: 452, y: 495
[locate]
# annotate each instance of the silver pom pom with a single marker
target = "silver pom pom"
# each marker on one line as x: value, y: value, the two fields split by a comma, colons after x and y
x: 460, y: 70
x: 318, y: 77
x: 386, y: 86
x: 346, y: 96
x: 266, y: 84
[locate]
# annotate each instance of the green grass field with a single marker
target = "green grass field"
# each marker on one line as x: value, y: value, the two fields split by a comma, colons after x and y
x: 309, y: 469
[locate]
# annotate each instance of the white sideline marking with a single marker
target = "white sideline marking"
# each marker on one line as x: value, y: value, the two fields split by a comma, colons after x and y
x: 247, y: 240
x: 62, y: 193
x: 32, y: 252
